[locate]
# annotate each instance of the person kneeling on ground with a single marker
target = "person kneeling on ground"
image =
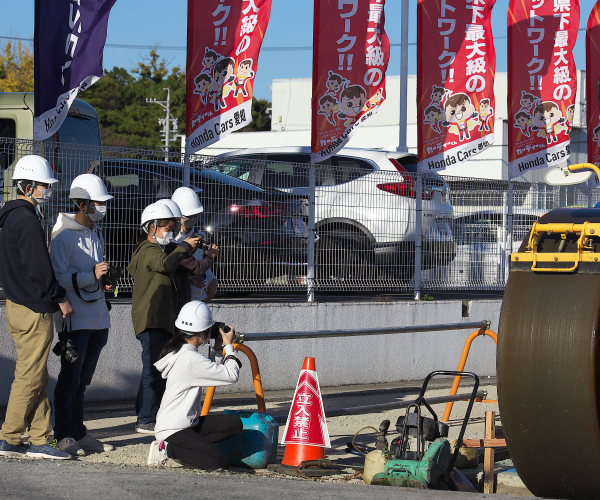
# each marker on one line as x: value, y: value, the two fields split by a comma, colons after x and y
x: 191, y: 441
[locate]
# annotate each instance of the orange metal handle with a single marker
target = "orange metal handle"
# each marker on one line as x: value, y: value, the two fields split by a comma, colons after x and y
x: 258, y: 390
x: 461, y: 366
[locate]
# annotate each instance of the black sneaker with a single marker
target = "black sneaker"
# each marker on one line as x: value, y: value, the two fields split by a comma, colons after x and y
x: 145, y: 428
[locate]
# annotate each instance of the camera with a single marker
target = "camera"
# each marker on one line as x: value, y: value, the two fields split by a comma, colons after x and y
x: 204, y: 244
x: 238, y: 338
x: 112, y: 276
x: 66, y: 349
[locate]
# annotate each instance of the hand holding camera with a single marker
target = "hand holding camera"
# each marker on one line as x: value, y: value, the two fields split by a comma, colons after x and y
x: 108, y: 274
x: 209, y: 249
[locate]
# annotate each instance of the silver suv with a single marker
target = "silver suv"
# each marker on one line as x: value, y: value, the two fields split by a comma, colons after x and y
x: 365, y: 203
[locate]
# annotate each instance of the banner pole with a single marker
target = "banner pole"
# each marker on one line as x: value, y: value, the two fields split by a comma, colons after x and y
x: 419, y: 236
x: 509, y: 226
x: 186, y: 170
x: 402, y: 146
x: 311, y: 233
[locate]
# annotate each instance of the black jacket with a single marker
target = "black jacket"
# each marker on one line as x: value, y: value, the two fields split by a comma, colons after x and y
x: 26, y: 272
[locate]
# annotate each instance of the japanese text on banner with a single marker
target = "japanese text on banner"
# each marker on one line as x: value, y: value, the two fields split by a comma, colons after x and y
x: 224, y: 40
x: 350, y: 58
x: 455, y: 96
x: 542, y: 82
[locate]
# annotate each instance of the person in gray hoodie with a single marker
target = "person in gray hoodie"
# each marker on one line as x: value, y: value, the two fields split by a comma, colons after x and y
x: 77, y: 255
x: 181, y: 433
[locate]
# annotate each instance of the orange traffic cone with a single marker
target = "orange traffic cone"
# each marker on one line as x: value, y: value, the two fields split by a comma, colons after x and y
x: 305, y: 434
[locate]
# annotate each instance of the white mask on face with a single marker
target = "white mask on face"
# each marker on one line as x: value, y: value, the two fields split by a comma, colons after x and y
x: 165, y: 240
x: 99, y: 213
x: 46, y: 194
x: 189, y: 222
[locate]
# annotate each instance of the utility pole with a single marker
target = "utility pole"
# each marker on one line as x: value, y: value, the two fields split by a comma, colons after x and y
x: 166, y: 122
x: 402, y: 146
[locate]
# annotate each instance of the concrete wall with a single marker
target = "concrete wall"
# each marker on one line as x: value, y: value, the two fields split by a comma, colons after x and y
x: 339, y: 361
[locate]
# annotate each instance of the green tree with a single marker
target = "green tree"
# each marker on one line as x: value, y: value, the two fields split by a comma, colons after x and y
x: 261, y: 119
x: 126, y: 119
x: 16, y: 67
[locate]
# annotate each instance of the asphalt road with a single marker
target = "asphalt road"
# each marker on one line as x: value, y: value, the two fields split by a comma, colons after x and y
x: 47, y: 480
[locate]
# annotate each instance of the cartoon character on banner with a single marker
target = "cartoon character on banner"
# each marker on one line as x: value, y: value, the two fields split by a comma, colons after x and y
x: 485, y: 113
x: 461, y: 116
x: 335, y: 85
x: 209, y: 60
x: 375, y: 100
x: 433, y: 117
x: 596, y: 138
x: 351, y: 103
x: 222, y: 78
x: 437, y: 94
x: 328, y: 106
x: 203, y: 84
x: 523, y: 121
x: 527, y: 101
x: 244, y: 74
x: 570, y: 117
x: 546, y: 118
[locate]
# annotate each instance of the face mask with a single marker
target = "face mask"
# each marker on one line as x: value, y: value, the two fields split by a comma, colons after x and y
x: 165, y: 240
x: 46, y: 194
x: 189, y: 222
x: 100, y: 212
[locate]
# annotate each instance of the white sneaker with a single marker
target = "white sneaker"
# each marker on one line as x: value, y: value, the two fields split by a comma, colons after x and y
x: 156, y: 458
x: 70, y: 446
x: 90, y: 443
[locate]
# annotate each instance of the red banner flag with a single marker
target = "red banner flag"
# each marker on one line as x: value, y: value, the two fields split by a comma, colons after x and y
x: 224, y: 39
x: 592, y: 78
x: 350, y: 57
x: 542, y: 82
x: 456, y: 65
x: 306, y: 421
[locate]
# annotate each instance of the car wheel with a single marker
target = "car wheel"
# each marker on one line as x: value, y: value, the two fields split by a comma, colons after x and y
x: 342, y: 261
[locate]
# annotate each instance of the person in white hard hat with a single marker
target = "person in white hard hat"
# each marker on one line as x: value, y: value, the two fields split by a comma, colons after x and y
x: 192, y: 272
x: 181, y: 433
x: 33, y: 294
x: 190, y: 206
x: 77, y: 254
x: 154, y: 301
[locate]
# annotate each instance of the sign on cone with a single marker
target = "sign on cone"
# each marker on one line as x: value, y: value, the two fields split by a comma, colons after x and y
x: 305, y: 432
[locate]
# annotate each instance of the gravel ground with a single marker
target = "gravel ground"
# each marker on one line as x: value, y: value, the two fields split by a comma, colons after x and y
x: 116, y: 423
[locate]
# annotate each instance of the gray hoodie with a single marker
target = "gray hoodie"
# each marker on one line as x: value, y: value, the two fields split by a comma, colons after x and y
x: 187, y: 371
x: 77, y: 249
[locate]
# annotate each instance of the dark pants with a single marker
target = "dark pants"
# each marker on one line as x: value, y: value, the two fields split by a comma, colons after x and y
x: 73, y: 380
x: 152, y: 385
x: 194, y: 446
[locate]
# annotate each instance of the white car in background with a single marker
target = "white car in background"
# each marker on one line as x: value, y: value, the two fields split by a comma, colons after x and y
x: 482, y: 248
x: 365, y: 206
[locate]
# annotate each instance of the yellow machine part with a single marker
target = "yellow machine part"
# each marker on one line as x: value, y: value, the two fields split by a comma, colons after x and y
x: 547, y: 362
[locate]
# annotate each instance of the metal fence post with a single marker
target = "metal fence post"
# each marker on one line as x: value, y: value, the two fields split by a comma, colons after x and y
x: 310, y: 278
x: 419, y: 236
x: 186, y: 170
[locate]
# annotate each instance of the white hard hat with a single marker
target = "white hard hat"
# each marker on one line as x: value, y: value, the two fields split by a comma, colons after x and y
x: 155, y: 212
x: 188, y: 201
x: 194, y: 317
x: 173, y: 206
x: 89, y: 187
x: 33, y: 168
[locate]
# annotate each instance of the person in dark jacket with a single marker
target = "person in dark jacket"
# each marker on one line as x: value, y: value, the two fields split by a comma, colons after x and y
x: 154, y: 302
x: 33, y: 294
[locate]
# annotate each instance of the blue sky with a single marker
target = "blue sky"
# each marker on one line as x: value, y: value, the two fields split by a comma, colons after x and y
x: 152, y: 22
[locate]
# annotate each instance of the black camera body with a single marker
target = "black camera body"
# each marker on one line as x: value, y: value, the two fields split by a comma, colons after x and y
x: 112, y: 276
x: 205, y: 245
x: 66, y: 348
x: 238, y: 338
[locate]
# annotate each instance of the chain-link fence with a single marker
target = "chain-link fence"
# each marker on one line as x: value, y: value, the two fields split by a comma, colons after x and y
x: 371, y: 230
